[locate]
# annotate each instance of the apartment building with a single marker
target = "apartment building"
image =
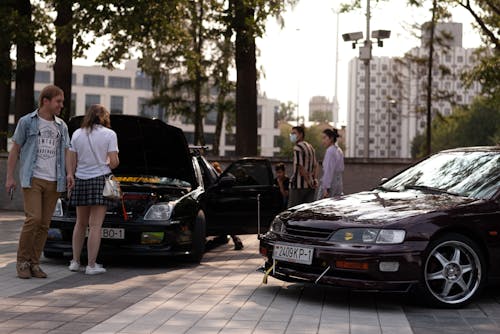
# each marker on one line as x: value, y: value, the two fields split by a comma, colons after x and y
x: 128, y: 90
x: 398, y: 94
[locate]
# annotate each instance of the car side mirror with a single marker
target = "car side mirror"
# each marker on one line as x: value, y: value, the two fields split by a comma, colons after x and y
x: 227, y: 181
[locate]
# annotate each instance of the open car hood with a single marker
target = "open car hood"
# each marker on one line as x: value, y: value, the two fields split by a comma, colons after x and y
x: 148, y: 147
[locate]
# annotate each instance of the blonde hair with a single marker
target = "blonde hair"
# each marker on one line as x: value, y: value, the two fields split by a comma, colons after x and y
x: 49, y: 92
x: 97, y: 114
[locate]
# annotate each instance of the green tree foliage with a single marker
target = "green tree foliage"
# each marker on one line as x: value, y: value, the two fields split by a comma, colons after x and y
x: 474, y: 125
x: 287, y: 111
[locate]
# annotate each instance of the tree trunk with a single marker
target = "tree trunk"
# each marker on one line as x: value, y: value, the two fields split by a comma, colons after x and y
x: 429, y: 79
x: 246, y: 80
x: 63, y: 66
x: 25, y: 64
x: 218, y: 123
x: 199, y: 138
x: 5, y: 90
x: 6, y: 11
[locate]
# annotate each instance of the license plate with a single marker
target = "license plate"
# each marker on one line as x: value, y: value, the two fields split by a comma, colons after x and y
x: 110, y: 233
x: 295, y: 254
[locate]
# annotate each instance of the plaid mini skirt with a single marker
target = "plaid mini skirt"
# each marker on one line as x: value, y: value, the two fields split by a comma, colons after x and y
x: 89, y: 192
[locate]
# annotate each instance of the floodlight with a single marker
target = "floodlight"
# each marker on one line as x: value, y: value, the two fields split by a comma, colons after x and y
x: 381, y: 34
x: 352, y: 36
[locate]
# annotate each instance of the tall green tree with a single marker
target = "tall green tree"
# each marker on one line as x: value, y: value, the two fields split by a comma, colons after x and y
x: 474, y: 125
x: 248, y: 23
x: 63, y: 66
x: 7, y: 17
x: 25, y: 61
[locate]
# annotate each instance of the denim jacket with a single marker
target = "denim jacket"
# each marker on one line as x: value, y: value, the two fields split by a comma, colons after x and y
x: 26, y: 136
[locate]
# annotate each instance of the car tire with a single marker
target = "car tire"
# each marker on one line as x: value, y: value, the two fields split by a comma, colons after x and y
x: 198, y: 238
x: 453, y: 271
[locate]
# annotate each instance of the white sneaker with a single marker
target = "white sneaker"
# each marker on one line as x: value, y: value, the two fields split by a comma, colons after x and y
x: 95, y: 270
x: 74, y: 266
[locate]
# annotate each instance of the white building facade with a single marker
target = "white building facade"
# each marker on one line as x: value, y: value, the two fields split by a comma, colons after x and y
x: 127, y: 91
x: 398, y: 96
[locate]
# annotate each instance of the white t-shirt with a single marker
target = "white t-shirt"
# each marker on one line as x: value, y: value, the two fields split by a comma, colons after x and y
x: 48, y: 139
x: 103, y: 140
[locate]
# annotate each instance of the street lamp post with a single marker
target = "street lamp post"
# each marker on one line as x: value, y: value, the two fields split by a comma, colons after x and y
x: 365, y: 54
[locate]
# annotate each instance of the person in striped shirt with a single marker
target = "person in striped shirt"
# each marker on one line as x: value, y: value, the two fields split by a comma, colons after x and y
x: 304, y: 181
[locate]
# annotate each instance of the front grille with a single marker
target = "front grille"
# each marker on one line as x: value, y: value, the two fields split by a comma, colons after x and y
x: 308, y: 232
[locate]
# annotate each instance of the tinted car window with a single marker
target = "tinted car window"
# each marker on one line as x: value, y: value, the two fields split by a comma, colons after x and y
x: 249, y: 174
x: 470, y: 174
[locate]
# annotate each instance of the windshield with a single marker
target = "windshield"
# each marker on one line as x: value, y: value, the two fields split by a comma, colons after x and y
x: 469, y: 174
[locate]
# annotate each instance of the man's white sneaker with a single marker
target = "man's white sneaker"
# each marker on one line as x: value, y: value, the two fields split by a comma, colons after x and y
x: 95, y: 270
x: 74, y: 266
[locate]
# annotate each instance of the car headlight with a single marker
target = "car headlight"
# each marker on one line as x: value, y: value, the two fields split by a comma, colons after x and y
x: 58, y: 210
x: 369, y: 235
x: 277, y: 226
x: 160, y: 211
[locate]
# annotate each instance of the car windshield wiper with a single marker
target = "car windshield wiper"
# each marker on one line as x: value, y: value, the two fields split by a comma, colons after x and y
x: 430, y: 189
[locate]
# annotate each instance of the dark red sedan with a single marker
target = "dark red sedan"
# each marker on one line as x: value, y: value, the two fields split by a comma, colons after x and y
x: 434, y: 227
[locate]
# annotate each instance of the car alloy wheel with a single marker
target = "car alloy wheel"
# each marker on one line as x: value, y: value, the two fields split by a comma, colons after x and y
x: 453, y: 271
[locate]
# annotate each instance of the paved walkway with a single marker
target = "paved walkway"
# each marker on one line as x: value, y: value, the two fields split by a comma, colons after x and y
x: 224, y: 294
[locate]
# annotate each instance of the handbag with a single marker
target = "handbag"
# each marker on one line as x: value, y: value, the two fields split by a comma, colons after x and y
x: 112, y: 189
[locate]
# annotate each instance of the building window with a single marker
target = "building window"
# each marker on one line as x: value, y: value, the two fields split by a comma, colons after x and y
x: 276, y: 141
x: 91, y: 99
x: 448, y: 58
x: 146, y: 110
x: 116, y: 105
x: 259, y: 116
x: 384, y: 67
x: 143, y: 82
x: 93, y: 80
x: 276, y: 116
x: 189, y: 137
x: 73, y: 78
x: 72, y: 111
x: 119, y: 82
x: 230, y: 139
x: 361, y: 152
x: 42, y: 76
x: 209, y: 138
x: 211, y: 118
x: 460, y: 59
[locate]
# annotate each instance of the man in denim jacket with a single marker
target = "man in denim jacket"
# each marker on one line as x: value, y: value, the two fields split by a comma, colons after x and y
x: 40, y: 141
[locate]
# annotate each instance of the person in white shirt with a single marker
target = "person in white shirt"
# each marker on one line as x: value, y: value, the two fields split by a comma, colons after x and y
x: 333, y: 166
x: 92, y: 156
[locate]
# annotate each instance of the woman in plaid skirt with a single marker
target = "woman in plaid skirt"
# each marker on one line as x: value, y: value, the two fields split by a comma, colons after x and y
x: 92, y: 156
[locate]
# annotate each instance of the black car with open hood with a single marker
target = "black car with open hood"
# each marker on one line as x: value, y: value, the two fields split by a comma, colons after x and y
x: 172, y: 196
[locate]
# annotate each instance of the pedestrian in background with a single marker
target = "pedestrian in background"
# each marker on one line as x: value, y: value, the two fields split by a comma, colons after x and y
x: 40, y: 142
x: 333, y: 166
x: 304, y: 181
x: 93, y: 154
x: 282, y: 181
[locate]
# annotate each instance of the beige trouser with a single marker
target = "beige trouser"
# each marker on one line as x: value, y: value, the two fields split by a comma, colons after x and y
x: 39, y: 203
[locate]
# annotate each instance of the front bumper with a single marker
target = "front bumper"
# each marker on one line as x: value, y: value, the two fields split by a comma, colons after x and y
x: 176, y: 240
x: 324, y: 268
